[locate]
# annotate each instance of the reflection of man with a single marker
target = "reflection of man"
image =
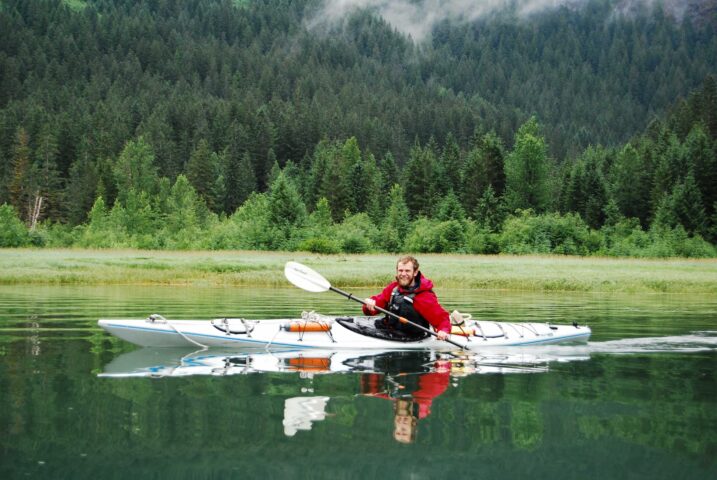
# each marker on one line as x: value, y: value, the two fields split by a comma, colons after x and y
x: 404, y: 422
x: 412, y: 394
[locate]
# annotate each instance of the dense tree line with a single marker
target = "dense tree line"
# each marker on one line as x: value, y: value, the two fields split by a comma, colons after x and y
x: 220, y: 124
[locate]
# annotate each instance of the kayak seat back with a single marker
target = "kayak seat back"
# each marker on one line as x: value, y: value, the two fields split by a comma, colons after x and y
x: 373, y: 327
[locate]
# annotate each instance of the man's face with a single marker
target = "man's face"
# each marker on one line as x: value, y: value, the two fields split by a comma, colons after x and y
x: 404, y: 428
x: 405, y: 274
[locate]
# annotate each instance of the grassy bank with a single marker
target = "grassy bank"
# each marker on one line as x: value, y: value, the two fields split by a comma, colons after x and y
x: 528, y: 273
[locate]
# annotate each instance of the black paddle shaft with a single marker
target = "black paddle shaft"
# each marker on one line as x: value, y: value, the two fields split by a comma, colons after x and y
x: 391, y: 314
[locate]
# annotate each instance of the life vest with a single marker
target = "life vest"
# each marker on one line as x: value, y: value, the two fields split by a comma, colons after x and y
x: 402, y: 305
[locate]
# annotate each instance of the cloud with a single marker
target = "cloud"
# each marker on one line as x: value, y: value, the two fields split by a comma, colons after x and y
x: 418, y: 17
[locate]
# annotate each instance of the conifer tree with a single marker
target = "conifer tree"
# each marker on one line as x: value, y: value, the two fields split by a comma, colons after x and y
x: 709, y: 105
x: 135, y: 169
x: 320, y: 219
x: 286, y: 211
x: 187, y: 215
x: 702, y: 155
x: 527, y: 170
x: 20, y: 181
x: 48, y: 176
x: 688, y: 207
x: 80, y: 193
x: 585, y: 190
x: 450, y: 208
x: 630, y: 184
x: 396, y: 221
x: 490, y: 211
x: 451, y: 163
x: 420, y: 180
x: 202, y: 173
x: 240, y: 182
x: 474, y: 179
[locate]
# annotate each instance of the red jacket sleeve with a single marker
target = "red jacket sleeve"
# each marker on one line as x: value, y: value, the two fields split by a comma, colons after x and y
x: 426, y: 304
x: 430, y: 385
x: 382, y: 298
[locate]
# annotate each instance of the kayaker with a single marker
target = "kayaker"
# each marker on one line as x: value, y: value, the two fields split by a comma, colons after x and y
x: 411, y: 296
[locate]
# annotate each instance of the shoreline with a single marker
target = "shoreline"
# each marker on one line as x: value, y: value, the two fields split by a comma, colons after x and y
x: 232, y: 268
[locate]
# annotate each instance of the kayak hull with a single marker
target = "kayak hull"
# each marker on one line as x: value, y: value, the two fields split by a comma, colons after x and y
x: 282, y: 334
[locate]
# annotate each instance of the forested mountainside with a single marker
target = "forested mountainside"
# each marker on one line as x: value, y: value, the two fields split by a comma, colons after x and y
x: 514, y: 108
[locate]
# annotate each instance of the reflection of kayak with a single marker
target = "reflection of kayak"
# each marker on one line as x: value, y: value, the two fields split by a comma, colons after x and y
x: 181, y: 362
x: 318, y: 331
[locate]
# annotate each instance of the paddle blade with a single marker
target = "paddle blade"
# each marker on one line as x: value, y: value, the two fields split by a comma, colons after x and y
x: 305, y: 278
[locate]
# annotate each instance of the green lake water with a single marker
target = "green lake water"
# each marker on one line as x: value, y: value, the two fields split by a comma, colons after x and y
x: 639, y: 401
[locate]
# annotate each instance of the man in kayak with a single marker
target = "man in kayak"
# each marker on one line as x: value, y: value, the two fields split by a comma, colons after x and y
x: 411, y: 296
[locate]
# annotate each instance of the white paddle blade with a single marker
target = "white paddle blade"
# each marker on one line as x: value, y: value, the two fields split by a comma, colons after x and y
x: 305, y: 278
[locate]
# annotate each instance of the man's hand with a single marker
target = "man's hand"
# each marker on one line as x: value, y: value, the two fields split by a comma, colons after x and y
x: 442, y: 335
x: 371, y: 305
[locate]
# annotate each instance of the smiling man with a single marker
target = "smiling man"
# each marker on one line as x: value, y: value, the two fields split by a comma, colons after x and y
x: 411, y: 296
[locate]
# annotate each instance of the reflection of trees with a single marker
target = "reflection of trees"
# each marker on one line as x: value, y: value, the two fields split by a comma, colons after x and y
x: 55, y: 410
x: 671, y: 409
x: 526, y: 425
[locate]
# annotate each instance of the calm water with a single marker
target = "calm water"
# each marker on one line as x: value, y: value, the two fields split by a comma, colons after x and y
x: 639, y: 401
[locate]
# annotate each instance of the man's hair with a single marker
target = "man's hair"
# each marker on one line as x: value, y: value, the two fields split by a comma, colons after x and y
x: 407, y: 259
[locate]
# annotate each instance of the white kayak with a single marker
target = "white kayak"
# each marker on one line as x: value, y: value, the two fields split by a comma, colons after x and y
x: 315, y: 331
x: 182, y: 362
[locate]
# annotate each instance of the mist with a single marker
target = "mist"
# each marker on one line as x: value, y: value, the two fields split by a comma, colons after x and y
x: 417, y: 18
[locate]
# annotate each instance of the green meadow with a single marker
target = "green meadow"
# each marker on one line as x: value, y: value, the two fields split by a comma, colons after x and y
x: 491, y: 272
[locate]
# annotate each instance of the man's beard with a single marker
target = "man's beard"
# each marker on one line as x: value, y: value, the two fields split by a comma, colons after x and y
x: 405, y: 282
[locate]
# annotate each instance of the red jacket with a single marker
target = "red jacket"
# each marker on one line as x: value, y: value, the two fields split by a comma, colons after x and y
x: 430, y: 386
x: 425, y: 303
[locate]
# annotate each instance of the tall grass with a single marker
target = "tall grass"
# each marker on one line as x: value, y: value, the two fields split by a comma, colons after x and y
x: 524, y: 273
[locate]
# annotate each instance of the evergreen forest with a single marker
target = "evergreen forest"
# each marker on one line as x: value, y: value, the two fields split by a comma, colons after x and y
x: 586, y: 128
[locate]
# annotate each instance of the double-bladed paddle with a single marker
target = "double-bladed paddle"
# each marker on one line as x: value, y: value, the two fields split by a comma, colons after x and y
x: 307, y: 279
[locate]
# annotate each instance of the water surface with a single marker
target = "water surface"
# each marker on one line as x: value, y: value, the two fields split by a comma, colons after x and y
x: 638, y: 401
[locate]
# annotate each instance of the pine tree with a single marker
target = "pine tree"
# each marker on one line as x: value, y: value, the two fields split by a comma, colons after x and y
x: 585, y: 190
x: 474, y: 179
x: 320, y: 219
x: 665, y: 216
x: 20, y: 181
x: 421, y: 181
x: 450, y: 208
x: 688, y: 207
x: 396, y: 221
x: 493, y: 155
x: 240, y: 183
x: 274, y: 172
x: 490, y: 211
x: 349, y: 170
x: 135, y: 169
x: 187, y: 214
x: 702, y: 155
x: 709, y: 105
x: 202, y: 171
x: 630, y: 184
x: 81, y: 190
x: 49, y: 182
x: 527, y: 170
x: 452, y: 164
x: 286, y: 210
